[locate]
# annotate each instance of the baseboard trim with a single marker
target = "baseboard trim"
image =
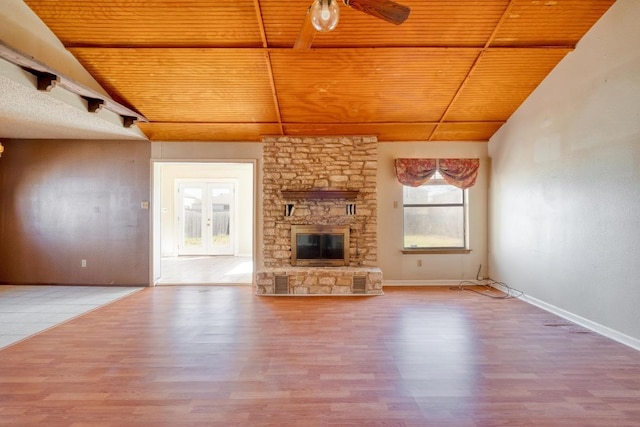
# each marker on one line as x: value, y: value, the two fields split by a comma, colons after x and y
x: 586, y: 323
x: 421, y: 282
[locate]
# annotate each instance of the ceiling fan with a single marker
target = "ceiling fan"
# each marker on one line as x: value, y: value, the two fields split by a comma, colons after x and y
x: 323, y: 16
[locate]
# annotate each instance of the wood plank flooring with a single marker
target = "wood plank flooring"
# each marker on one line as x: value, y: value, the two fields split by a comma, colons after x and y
x: 220, y: 356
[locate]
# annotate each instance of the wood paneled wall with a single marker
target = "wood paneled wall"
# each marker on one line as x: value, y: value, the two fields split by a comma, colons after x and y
x: 67, y: 201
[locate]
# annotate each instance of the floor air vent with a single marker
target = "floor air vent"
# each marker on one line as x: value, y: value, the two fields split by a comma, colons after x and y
x: 359, y: 284
x: 282, y: 285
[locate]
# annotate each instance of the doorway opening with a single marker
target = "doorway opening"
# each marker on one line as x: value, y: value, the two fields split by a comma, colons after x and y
x: 203, y: 223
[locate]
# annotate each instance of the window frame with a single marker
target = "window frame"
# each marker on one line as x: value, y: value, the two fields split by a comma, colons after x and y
x: 464, y: 205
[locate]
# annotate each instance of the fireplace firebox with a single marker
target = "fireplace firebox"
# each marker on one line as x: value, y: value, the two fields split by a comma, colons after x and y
x: 319, y: 245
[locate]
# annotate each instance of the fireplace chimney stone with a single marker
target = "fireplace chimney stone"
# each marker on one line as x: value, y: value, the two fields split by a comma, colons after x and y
x: 340, y: 170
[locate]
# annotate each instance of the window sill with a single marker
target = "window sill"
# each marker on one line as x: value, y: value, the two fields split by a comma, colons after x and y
x: 435, y: 251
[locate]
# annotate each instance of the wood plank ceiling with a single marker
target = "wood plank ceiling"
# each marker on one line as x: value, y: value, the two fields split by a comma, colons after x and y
x: 225, y: 70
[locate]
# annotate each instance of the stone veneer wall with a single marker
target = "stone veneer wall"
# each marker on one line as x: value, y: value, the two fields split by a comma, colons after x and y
x: 320, y: 163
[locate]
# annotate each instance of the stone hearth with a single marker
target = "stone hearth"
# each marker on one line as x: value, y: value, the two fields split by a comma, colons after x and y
x: 319, y: 281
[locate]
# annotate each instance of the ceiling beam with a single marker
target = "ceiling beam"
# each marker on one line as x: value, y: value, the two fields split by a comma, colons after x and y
x: 306, y: 35
x: 274, y: 92
x: 267, y: 57
x: 464, y: 82
x: 47, y: 78
x: 263, y: 33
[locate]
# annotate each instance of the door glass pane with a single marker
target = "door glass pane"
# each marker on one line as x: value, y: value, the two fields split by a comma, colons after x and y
x: 220, y: 217
x: 220, y: 224
x: 192, y: 214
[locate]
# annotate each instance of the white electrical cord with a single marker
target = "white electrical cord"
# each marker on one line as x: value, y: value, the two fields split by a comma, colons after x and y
x: 490, y: 286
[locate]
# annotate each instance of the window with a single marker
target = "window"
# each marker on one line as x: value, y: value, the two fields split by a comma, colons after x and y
x: 434, y: 215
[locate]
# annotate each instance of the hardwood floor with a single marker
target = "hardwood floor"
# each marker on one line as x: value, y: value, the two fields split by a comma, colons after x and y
x: 220, y: 356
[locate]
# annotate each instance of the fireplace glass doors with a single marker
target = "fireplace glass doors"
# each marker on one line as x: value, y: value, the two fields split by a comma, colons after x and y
x: 319, y: 245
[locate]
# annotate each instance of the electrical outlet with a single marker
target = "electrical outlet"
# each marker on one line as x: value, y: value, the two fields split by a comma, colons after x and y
x: 84, y: 263
x: 419, y: 263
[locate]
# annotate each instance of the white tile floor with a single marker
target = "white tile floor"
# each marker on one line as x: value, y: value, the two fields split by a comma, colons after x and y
x: 206, y: 270
x: 27, y: 310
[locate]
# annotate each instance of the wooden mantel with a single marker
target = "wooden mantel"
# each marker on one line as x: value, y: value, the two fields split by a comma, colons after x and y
x: 319, y: 194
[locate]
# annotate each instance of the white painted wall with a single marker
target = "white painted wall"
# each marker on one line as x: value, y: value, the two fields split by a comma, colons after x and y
x: 565, y: 185
x: 398, y: 268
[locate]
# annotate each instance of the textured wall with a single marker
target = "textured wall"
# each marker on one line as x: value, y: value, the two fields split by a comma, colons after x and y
x: 565, y: 188
x: 336, y: 163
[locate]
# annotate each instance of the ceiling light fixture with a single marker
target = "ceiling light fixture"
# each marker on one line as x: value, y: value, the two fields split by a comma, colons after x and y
x: 325, y: 15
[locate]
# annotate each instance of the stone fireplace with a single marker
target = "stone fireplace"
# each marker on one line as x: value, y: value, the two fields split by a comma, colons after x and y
x: 318, y: 188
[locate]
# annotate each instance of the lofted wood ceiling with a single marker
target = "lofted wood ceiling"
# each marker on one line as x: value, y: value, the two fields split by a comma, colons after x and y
x: 225, y: 70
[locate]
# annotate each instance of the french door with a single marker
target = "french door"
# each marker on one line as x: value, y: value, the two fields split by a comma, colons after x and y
x: 205, y: 218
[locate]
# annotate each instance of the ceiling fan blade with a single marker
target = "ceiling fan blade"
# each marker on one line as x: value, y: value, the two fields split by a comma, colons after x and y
x: 387, y: 10
x: 307, y: 33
